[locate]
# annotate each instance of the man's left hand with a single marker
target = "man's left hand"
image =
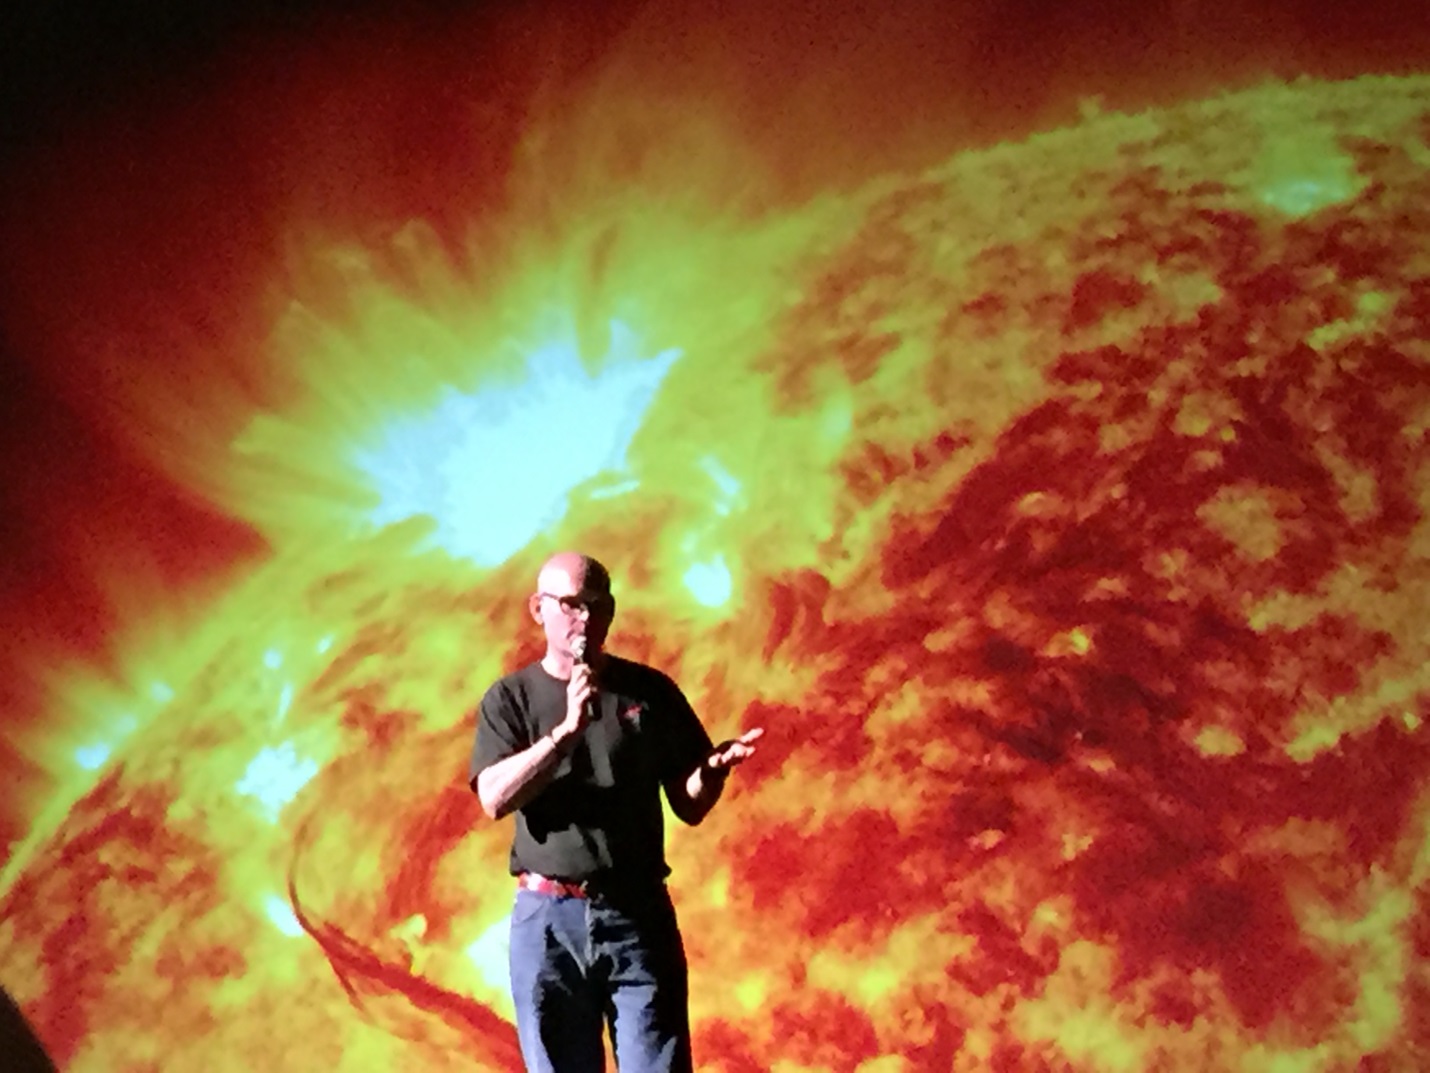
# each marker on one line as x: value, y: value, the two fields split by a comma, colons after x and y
x: 736, y: 751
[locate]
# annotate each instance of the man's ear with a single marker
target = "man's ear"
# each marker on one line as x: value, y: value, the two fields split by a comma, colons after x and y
x: 533, y: 604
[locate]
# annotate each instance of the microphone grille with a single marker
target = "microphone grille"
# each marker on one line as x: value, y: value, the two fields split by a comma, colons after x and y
x: 578, y: 649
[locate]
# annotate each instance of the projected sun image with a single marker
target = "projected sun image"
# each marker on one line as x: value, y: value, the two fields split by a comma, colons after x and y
x: 1058, y: 509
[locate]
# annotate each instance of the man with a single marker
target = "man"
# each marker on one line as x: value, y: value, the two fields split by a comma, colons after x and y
x: 579, y: 745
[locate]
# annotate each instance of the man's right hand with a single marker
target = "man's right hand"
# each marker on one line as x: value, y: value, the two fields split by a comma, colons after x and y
x: 580, y: 703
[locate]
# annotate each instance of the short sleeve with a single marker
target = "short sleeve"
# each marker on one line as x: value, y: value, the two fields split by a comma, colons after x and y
x: 685, y: 742
x: 501, y: 731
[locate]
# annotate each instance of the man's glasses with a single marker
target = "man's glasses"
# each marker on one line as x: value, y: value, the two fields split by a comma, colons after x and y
x: 598, y: 604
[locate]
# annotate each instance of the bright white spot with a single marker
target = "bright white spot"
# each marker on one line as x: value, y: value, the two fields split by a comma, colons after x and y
x: 488, y: 952
x: 274, y: 778
x: 837, y: 421
x: 727, y: 483
x: 710, y: 582
x: 325, y: 644
x: 92, y: 757
x: 162, y: 692
x: 495, y: 468
x: 611, y: 491
x: 285, y: 699
x: 281, y: 913
x: 1301, y: 167
x: 273, y: 659
x: 1301, y: 197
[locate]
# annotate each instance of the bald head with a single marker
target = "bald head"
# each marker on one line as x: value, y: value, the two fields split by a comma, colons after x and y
x: 569, y: 572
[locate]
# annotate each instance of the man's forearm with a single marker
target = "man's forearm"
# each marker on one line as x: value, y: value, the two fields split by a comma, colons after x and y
x: 702, y: 789
x: 509, y: 784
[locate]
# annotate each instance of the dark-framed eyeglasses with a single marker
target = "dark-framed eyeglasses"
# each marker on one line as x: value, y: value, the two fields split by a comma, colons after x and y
x: 593, y: 604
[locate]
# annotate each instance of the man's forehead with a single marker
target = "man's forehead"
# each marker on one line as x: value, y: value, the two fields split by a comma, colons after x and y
x: 558, y: 583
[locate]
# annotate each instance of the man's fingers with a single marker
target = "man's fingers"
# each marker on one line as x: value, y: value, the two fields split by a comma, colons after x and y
x: 735, y: 753
x: 738, y: 749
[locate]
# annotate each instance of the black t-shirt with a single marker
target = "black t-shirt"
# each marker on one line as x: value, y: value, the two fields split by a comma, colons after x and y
x: 601, y: 814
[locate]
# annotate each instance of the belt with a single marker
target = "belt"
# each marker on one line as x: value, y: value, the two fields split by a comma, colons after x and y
x: 558, y: 887
x: 602, y: 886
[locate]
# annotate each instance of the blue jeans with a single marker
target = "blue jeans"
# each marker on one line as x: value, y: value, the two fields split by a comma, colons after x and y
x: 580, y: 963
